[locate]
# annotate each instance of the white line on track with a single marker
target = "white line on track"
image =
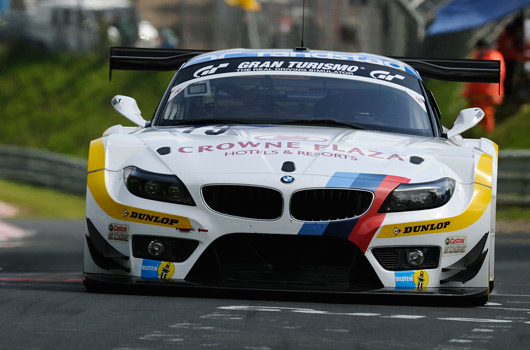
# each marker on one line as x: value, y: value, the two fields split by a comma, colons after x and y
x: 505, y: 308
x: 405, y: 317
x: 518, y: 302
x: 498, y: 320
x: 480, y: 320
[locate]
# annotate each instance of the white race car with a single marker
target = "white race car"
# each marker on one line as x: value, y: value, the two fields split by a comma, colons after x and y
x: 295, y: 170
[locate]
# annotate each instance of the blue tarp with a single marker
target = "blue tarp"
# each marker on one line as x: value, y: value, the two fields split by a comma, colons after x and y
x: 461, y: 15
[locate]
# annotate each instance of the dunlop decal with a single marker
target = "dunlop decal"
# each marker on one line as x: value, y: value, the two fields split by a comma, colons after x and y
x: 426, y: 228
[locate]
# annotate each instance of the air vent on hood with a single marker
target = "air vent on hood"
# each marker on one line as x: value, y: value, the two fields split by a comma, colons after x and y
x: 163, y: 151
x: 288, y: 167
x: 416, y: 160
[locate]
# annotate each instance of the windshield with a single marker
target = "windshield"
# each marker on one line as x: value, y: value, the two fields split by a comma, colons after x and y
x: 275, y: 97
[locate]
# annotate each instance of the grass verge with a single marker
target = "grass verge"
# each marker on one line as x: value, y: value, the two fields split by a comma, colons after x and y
x: 37, y: 202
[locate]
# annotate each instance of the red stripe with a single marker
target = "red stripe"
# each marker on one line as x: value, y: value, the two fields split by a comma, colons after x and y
x: 369, y: 223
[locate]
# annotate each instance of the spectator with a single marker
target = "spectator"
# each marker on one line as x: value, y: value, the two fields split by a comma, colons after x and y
x: 486, y: 95
x: 511, y: 45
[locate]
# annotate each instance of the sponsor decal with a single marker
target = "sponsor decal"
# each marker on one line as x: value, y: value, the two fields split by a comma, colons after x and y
x: 405, y: 279
x: 166, y: 270
x: 384, y: 75
x: 118, y: 233
x: 455, y: 245
x: 154, y: 269
x: 208, y: 70
x: 125, y: 213
x: 427, y: 227
x: 149, y: 268
x: 361, y: 58
x: 298, y: 66
x: 396, y: 230
x: 153, y: 218
x: 421, y: 279
x: 289, y: 147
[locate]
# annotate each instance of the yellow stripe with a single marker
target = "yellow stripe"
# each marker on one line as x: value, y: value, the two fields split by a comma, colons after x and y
x: 484, y: 170
x: 98, y: 189
x: 96, y: 155
x: 479, y: 202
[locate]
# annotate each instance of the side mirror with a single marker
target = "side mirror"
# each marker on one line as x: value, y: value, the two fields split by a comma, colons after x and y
x: 467, y: 119
x: 128, y: 107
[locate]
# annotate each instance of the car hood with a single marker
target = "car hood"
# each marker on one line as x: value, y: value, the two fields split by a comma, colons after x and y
x: 321, y: 151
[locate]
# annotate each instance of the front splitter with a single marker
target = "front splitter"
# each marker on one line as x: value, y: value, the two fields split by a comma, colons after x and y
x: 117, y: 283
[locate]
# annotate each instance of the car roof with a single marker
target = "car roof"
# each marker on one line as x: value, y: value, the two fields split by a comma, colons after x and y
x: 304, y: 53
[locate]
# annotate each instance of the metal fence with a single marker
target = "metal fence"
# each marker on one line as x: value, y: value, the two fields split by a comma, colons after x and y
x: 43, y: 168
x: 68, y: 174
x: 514, y: 178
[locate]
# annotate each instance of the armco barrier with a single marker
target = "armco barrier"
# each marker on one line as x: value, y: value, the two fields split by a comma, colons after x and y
x: 43, y: 168
x: 68, y: 174
x: 514, y: 178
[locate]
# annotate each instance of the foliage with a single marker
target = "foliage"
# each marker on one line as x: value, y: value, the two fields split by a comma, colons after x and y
x: 61, y: 102
x: 511, y: 118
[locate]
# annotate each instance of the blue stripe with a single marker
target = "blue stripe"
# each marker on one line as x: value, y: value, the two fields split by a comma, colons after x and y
x: 368, y: 182
x: 342, y: 180
x: 313, y: 228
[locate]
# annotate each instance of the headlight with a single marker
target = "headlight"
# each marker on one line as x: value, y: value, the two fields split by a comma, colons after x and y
x: 158, y: 187
x: 427, y: 195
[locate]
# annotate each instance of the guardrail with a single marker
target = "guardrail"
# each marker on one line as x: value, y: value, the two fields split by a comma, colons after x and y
x: 68, y: 174
x: 514, y: 178
x: 43, y: 168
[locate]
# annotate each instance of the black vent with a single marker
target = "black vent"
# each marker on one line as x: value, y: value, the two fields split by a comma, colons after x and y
x: 387, y: 257
x: 244, y: 201
x: 329, y: 204
x: 178, y: 249
x: 246, y: 260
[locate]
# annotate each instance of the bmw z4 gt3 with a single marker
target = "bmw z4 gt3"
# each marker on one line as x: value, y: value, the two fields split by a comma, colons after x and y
x: 293, y: 170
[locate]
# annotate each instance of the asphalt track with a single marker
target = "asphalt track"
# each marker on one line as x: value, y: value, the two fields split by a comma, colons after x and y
x: 43, y: 305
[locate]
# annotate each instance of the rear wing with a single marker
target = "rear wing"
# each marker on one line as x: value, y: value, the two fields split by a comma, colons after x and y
x: 147, y: 59
x: 458, y: 70
x: 159, y: 60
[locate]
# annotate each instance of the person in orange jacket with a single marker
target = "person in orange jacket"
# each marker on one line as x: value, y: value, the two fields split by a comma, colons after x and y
x: 486, y: 95
x: 510, y: 44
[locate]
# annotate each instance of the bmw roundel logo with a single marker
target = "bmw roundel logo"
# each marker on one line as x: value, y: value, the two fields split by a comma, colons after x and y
x: 287, y: 179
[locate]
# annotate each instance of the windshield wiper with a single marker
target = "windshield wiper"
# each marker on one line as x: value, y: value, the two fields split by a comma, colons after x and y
x: 323, y: 122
